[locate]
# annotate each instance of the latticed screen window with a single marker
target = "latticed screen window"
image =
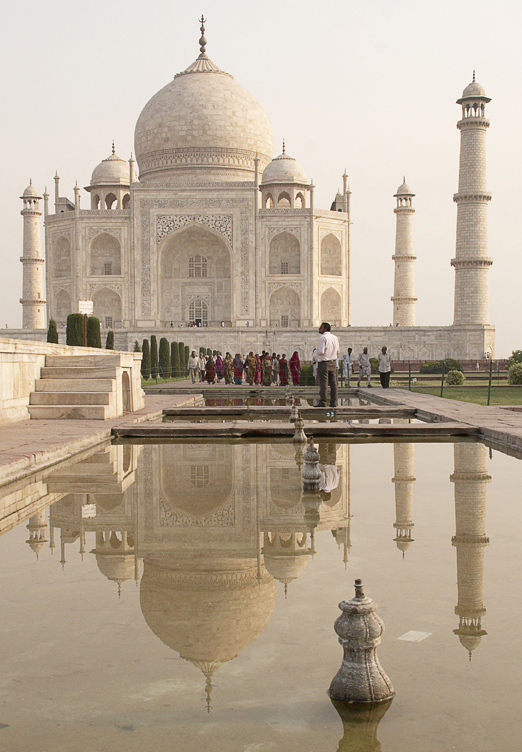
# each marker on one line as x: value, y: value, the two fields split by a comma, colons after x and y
x: 285, y: 473
x: 107, y: 268
x: 108, y: 322
x: 284, y: 321
x: 198, y: 266
x: 199, y: 475
x: 198, y: 311
x: 284, y: 267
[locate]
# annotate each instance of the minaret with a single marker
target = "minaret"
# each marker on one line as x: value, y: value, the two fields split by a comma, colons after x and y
x: 470, y: 479
x: 37, y: 527
x: 471, y: 260
x: 404, y: 283
x: 33, y: 300
x: 403, y: 460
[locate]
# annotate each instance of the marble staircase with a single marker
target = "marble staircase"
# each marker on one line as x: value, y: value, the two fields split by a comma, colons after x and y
x: 76, y: 388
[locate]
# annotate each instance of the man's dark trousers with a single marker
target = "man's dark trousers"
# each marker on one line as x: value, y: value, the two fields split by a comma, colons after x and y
x: 327, y: 374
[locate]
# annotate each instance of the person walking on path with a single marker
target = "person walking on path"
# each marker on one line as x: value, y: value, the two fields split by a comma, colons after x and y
x: 210, y: 370
x: 283, y: 371
x: 365, y: 367
x: 193, y: 366
x: 219, y: 367
x: 202, y: 364
x: 348, y: 366
x: 384, y: 367
x: 227, y: 368
x: 267, y: 370
x: 251, y: 368
x: 327, y: 355
x: 238, y: 369
x: 295, y: 368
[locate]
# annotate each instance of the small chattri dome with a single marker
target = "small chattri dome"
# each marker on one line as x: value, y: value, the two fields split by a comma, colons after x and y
x: 473, y: 89
x: 111, y: 171
x: 284, y: 169
x: 404, y: 189
x: 30, y: 190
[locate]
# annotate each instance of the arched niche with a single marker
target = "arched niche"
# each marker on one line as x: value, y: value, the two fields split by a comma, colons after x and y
x: 283, y: 200
x: 285, y: 486
x: 196, y: 480
x: 285, y: 308
x: 331, y: 256
x: 62, y: 258
x: 194, y: 263
x: 269, y: 201
x: 126, y: 201
x: 107, y: 307
x: 331, y: 307
x: 284, y: 255
x: 111, y: 201
x: 105, y: 255
x: 63, y: 306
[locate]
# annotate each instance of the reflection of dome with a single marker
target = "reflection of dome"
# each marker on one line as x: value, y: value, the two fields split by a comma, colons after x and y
x: 202, y: 122
x: 284, y: 169
x: 107, y: 502
x: 207, y: 612
x: 286, y: 568
x: 111, y: 171
x: 403, y: 544
x: 116, y: 567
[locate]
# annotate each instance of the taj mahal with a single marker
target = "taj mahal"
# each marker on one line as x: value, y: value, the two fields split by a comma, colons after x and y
x: 206, y: 226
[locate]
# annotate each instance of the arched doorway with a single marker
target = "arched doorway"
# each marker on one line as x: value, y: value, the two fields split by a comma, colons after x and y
x: 285, y: 308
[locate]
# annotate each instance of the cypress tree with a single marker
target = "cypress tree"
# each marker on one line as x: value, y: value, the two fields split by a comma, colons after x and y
x: 137, y: 347
x: 202, y: 351
x: 75, y: 329
x: 145, y: 361
x: 153, y: 356
x: 93, y: 332
x: 52, y: 333
x: 109, y: 342
x: 164, y: 358
x: 187, y: 355
x: 173, y: 348
x: 182, y: 364
x: 175, y: 360
x: 209, y: 351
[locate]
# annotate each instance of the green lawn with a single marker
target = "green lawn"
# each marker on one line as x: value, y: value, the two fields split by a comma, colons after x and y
x: 160, y: 380
x: 506, y: 395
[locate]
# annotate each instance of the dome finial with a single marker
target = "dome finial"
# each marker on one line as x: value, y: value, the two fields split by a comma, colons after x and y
x: 113, y: 151
x: 473, y: 75
x: 284, y: 152
x: 403, y: 179
x: 202, y: 40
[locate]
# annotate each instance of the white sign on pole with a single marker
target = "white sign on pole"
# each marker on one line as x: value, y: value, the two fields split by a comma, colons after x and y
x: 88, y: 510
x: 85, y: 306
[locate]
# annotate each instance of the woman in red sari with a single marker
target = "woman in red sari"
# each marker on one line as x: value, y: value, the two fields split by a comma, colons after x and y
x: 283, y: 370
x: 210, y: 370
x: 258, y: 369
x: 295, y: 369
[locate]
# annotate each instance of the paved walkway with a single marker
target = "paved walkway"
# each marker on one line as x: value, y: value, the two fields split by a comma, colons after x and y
x: 32, y: 445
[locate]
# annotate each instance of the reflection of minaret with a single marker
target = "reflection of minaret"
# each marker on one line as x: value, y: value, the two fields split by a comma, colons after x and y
x: 115, y: 555
x: 403, y: 458
x: 470, y: 479
x: 37, y: 526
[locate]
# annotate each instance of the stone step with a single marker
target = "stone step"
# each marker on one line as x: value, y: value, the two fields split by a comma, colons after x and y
x: 61, y: 361
x: 70, y: 398
x: 66, y: 372
x: 75, y: 385
x: 69, y: 412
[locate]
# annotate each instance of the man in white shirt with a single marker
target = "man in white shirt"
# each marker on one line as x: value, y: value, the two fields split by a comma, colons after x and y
x: 327, y: 356
x: 348, y: 366
x: 384, y: 368
x: 365, y: 367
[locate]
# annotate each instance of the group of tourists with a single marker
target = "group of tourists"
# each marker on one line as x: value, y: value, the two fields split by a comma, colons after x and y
x: 265, y: 369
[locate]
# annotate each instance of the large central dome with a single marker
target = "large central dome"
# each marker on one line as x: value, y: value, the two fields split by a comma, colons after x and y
x: 202, y: 126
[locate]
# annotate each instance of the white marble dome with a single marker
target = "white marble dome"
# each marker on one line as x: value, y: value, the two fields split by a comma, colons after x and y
x: 30, y: 191
x: 404, y: 189
x: 111, y: 171
x: 202, y: 126
x: 473, y: 89
x: 284, y: 169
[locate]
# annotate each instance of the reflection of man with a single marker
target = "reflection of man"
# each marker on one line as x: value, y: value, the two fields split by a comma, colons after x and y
x: 329, y: 471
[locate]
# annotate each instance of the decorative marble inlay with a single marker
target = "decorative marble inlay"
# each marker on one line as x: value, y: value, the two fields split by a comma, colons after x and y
x: 115, y: 287
x: 169, y: 517
x: 271, y: 231
x: 273, y: 286
x: 114, y: 231
x: 221, y: 223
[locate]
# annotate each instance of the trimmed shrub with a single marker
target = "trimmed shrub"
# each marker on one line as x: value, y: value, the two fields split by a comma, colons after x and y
x: 153, y: 356
x: 516, y: 357
x: 75, y: 329
x: 137, y: 347
x: 374, y: 362
x: 181, y: 350
x: 109, y: 342
x: 455, y: 378
x: 209, y: 351
x: 176, y: 365
x: 437, y: 366
x: 185, y: 362
x: 202, y: 351
x: 173, y: 358
x: 515, y: 373
x: 145, y: 361
x: 307, y: 376
x: 164, y: 358
x: 93, y: 332
x: 52, y: 332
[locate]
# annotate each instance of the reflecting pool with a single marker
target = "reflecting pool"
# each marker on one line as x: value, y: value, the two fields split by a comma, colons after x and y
x: 182, y: 597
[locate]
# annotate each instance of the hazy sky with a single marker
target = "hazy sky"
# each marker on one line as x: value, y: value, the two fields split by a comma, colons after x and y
x: 368, y: 86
